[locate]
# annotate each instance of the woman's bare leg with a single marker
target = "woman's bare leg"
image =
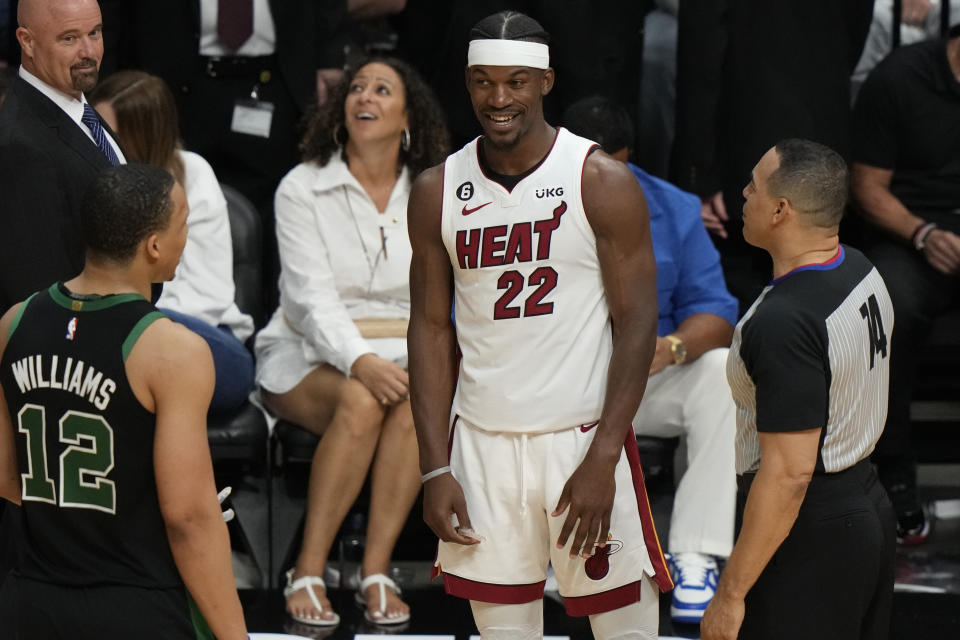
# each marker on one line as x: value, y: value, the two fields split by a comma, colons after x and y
x: 349, y: 418
x: 395, y: 483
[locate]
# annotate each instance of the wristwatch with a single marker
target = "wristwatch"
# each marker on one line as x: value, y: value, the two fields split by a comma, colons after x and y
x: 677, y: 348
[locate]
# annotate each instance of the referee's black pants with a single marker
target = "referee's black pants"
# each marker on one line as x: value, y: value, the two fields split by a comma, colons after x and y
x: 832, y: 578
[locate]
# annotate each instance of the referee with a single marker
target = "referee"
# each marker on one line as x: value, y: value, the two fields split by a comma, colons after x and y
x: 809, y: 373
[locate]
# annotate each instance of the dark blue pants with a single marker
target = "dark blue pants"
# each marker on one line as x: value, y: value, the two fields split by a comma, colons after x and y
x: 233, y: 362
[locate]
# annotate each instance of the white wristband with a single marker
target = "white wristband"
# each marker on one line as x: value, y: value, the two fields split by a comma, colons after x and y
x: 430, y: 475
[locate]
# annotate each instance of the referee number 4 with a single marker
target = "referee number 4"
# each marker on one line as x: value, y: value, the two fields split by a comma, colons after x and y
x: 870, y: 310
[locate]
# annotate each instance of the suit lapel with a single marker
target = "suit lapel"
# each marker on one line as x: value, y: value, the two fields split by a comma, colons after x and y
x: 54, y: 117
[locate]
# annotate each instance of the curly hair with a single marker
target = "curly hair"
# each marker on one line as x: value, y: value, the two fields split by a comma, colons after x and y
x: 429, y: 139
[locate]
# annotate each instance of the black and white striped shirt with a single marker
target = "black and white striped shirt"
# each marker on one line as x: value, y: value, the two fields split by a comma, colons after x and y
x: 813, y: 352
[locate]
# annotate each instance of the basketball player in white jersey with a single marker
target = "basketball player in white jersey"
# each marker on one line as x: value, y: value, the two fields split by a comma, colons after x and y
x: 541, y: 244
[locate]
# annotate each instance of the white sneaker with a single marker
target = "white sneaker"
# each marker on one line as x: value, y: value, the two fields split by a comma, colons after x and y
x: 695, y: 578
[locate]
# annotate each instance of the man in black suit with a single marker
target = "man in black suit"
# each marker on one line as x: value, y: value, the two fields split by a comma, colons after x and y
x: 48, y: 152
x: 750, y: 73
x: 270, y: 76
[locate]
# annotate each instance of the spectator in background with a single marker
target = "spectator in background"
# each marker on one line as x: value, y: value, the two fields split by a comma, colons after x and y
x: 333, y: 357
x: 749, y: 73
x: 906, y: 182
x: 686, y: 391
x: 52, y: 145
x: 920, y: 20
x: 658, y: 89
x: 242, y: 80
x: 141, y: 110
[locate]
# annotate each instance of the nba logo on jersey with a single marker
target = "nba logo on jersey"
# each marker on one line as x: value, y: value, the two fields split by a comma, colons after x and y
x: 72, y: 328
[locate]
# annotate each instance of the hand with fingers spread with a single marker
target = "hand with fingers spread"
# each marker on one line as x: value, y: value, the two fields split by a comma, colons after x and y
x: 442, y: 498
x: 587, y: 497
x: 942, y: 250
x: 713, y: 213
x: 386, y: 380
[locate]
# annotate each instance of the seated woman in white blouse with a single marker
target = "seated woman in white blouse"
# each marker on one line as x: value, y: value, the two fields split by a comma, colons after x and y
x: 333, y: 357
x: 141, y: 110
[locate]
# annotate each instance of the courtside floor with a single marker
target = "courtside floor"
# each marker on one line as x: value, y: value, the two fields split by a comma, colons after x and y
x: 926, y: 604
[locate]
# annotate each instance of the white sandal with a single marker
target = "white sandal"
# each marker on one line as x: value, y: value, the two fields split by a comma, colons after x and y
x: 308, y: 582
x: 383, y: 582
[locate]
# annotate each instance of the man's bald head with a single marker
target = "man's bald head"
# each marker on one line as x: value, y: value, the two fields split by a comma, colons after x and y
x: 30, y: 11
x: 61, y: 42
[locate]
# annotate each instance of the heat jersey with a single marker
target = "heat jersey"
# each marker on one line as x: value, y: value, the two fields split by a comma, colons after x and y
x: 90, y: 513
x: 532, y: 320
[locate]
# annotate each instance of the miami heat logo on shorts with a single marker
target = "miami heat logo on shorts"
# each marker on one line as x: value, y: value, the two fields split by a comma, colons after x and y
x: 598, y: 565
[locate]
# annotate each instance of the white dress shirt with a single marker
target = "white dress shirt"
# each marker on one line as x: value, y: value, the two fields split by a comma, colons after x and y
x: 261, y: 43
x: 334, y: 269
x: 203, y: 285
x: 72, y: 107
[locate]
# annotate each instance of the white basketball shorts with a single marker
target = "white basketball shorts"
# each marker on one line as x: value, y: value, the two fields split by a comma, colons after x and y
x: 512, y: 483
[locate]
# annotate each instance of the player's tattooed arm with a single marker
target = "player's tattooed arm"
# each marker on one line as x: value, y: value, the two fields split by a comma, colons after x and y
x: 431, y: 346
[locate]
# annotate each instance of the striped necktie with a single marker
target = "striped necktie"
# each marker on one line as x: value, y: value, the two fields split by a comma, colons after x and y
x: 99, y: 135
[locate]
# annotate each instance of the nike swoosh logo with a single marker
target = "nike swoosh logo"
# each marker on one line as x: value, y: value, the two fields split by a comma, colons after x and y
x: 586, y: 427
x: 467, y: 212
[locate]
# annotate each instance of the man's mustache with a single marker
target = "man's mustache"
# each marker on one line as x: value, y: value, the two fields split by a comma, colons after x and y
x: 84, y: 65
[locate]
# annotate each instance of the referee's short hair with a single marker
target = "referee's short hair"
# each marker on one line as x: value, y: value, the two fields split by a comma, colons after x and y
x: 813, y: 177
x: 122, y: 206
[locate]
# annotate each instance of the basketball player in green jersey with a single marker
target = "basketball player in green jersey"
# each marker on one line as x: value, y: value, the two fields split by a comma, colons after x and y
x: 103, y: 438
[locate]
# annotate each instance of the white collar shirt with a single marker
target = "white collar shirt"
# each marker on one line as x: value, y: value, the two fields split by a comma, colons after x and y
x: 341, y: 260
x: 71, y: 106
x: 262, y: 41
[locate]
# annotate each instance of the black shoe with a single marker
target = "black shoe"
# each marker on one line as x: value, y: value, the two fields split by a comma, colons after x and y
x: 913, y: 527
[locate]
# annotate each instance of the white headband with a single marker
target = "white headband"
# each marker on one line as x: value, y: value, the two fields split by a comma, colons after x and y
x: 508, y: 53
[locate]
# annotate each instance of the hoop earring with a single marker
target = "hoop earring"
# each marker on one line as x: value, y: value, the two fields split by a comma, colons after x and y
x: 405, y: 139
x: 336, y: 136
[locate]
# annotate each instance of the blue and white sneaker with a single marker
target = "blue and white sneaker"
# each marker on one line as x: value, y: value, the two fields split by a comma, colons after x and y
x: 695, y: 578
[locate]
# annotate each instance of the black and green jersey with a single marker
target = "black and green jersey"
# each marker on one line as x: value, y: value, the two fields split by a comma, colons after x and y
x: 90, y: 513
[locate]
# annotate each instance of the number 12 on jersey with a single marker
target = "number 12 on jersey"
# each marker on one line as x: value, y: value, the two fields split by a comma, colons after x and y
x: 84, y: 465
